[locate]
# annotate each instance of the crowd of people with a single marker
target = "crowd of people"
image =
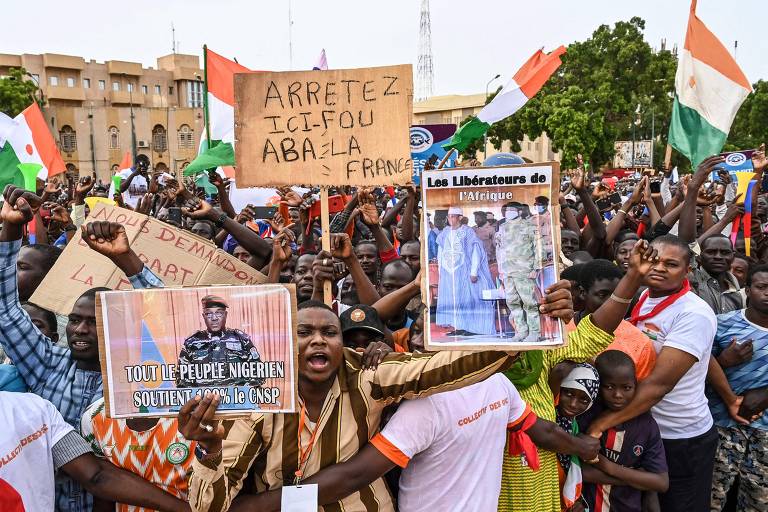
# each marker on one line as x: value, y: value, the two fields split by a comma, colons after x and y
x: 654, y: 403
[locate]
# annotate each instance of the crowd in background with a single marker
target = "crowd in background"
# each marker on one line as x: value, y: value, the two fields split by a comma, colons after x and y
x: 654, y: 403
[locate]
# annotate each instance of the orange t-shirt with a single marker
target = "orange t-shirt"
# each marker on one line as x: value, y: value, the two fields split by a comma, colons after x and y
x: 160, y: 455
x: 631, y: 340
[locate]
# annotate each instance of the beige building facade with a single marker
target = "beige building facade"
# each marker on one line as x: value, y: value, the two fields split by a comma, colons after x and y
x: 88, y: 106
x: 453, y: 109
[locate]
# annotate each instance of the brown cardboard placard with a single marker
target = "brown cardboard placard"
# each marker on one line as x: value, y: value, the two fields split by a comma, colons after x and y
x: 176, y: 256
x: 343, y: 126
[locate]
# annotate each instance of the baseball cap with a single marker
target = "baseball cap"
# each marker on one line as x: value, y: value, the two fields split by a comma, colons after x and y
x: 361, y: 316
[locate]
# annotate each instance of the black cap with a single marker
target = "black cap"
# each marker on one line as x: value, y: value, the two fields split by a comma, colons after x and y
x: 361, y: 316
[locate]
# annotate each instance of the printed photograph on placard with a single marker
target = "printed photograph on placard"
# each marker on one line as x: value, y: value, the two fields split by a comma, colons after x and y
x: 162, y: 347
x: 492, y: 246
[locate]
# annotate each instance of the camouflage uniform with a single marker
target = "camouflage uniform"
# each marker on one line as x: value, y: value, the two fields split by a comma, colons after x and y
x: 518, y: 255
x: 228, y: 346
x: 742, y: 451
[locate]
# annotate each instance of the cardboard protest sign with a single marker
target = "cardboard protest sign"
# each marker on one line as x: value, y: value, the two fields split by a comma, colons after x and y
x: 344, y: 126
x: 178, y: 257
x: 427, y: 143
x: 485, y: 281
x: 161, y: 347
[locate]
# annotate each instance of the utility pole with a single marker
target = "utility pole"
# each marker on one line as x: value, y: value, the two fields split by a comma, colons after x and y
x: 133, y: 126
x: 93, y: 139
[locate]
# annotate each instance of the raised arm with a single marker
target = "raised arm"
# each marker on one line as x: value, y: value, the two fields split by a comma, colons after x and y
x: 617, y: 222
x: 410, y: 207
x: 730, y: 214
x: 370, y: 216
x: 579, y: 184
x: 341, y: 248
x: 687, y: 226
x: 31, y: 351
x: 250, y: 241
x: 394, y: 303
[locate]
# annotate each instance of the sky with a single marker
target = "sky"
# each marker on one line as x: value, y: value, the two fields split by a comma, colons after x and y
x: 471, y: 41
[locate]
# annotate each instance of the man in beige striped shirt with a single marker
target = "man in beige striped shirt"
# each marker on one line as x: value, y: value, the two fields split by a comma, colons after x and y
x: 341, y: 406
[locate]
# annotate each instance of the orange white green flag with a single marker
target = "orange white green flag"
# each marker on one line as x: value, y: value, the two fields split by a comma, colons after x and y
x: 26, y: 139
x: 528, y: 80
x: 709, y: 89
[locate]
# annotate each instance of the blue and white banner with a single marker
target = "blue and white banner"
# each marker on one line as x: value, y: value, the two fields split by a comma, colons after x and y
x: 427, y: 142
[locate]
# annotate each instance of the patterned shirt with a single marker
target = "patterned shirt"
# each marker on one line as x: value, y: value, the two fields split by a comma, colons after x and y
x: 750, y: 375
x: 48, y: 370
x: 268, y: 445
x: 160, y: 455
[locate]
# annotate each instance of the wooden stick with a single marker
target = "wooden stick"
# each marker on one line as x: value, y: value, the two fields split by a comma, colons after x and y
x: 325, y: 223
x: 668, y: 157
x: 446, y: 157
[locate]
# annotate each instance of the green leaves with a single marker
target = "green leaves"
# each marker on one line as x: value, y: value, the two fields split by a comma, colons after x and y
x: 591, y: 101
x: 16, y: 92
x: 750, y: 128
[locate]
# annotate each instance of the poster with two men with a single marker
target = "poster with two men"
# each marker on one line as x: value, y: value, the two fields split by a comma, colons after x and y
x: 492, y: 246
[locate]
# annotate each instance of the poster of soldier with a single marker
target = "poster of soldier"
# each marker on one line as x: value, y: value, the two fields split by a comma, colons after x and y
x: 492, y: 250
x: 162, y: 347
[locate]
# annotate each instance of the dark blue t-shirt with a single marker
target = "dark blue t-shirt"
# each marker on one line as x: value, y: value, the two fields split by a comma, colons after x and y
x: 634, y: 444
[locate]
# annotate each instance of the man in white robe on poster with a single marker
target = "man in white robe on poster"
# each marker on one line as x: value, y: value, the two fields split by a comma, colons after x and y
x: 464, y: 274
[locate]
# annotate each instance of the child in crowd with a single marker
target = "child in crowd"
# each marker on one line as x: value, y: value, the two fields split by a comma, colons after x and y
x: 578, y: 392
x: 632, y: 457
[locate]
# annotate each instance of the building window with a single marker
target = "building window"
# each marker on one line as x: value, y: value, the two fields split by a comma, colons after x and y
x: 115, y: 86
x: 70, y: 82
x: 68, y: 139
x: 53, y: 80
x: 170, y: 90
x: 159, y: 139
x: 194, y: 93
x: 114, y: 137
x: 36, y: 78
x: 186, y: 140
x: 102, y: 85
x: 144, y: 89
x: 157, y: 90
x: 130, y: 87
x: 86, y: 83
x: 538, y: 146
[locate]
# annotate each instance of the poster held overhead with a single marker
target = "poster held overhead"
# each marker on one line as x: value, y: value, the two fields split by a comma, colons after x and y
x: 485, y: 282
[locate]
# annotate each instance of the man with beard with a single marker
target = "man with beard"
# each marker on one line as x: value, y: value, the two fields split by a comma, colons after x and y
x: 464, y: 274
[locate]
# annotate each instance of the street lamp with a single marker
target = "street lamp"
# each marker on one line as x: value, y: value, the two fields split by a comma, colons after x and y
x: 485, y: 136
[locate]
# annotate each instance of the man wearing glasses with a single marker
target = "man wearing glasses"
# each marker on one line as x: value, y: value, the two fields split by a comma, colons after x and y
x: 209, y: 348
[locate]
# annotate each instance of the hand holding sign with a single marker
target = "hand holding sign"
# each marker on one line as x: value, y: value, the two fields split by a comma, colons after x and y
x: 196, y: 423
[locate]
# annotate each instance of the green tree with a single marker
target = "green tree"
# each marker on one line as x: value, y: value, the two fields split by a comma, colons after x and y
x: 16, y: 93
x: 592, y: 100
x: 750, y: 128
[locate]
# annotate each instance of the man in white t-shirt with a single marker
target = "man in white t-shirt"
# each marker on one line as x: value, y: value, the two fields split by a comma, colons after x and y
x: 36, y: 442
x: 451, y: 447
x: 682, y: 327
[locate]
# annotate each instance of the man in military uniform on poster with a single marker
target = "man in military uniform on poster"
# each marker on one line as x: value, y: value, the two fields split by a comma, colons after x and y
x: 217, y: 344
x: 519, y: 256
